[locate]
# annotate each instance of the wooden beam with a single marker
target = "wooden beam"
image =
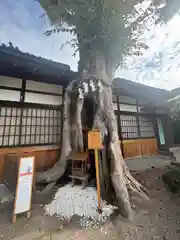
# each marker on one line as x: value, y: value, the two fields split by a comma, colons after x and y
x: 22, y: 97
x: 29, y: 149
x: 62, y: 115
x: 97, y: 179
x: 137, y: 119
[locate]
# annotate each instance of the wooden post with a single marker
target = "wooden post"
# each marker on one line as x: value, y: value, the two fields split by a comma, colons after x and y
x: 94, y: 142
x: 138, y: 128
x: 14, y: 218
x: 137, y: 119
x: 22, y: 97
x: 97, y: 178
x: 28, y: 214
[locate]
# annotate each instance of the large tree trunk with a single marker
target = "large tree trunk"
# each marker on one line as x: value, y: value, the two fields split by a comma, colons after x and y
x: 98, y: 73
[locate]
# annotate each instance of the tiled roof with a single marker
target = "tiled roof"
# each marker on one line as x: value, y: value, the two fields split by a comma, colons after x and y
x: 16, y: 63
x: 142, y: 92
x: 14, y: 51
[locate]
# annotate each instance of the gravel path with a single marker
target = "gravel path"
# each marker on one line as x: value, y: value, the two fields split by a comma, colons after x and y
x: 157, y: 219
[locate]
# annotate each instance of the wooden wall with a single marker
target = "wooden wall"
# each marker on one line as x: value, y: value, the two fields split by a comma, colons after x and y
x: 45, y: 156
x: 34, y: 92
x: 140, y: 147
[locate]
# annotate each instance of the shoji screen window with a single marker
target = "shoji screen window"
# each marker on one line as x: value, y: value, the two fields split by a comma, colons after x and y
x: 40, y: 126
x: 9, y: 126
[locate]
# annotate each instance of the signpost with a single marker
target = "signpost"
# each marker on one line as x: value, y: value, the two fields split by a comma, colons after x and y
x: 24, y: 187
x: 95, y: 143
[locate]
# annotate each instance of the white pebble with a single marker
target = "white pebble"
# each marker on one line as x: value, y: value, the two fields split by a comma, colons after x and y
x: 70, y: 201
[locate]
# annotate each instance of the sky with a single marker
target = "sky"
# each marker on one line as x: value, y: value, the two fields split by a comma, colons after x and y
x: 22, y: 23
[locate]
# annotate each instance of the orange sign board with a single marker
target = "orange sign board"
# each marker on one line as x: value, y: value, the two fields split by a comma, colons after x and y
x: 94, y: 139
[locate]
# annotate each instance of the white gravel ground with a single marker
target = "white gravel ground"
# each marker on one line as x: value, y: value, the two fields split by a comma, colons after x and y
x: 70, y: 201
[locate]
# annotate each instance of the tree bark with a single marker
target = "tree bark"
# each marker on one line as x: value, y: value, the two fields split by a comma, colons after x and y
x: 105, y: 121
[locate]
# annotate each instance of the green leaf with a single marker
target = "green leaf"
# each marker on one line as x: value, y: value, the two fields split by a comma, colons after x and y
x: 111, y: 27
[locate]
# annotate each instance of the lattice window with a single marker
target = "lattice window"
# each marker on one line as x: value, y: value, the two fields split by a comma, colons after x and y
x: 29, y: 126
x: 129, y: 126
x: 40, y: 126
x: 9, y: 126
x: 146, y: 127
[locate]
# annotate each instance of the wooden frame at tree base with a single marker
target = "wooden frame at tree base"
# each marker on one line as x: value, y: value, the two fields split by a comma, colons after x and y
x: 30, y: 171
x: 95, y: 143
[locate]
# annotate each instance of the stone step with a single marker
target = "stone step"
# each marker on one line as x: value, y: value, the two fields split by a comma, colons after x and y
x: 166, y: 153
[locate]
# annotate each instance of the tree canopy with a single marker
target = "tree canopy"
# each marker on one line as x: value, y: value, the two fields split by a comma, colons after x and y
x: 111, y: 27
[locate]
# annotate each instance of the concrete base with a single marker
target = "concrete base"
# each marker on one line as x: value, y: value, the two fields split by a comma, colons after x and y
x: 166, y: 153
x: 5, y: 194
x: 144, y: 163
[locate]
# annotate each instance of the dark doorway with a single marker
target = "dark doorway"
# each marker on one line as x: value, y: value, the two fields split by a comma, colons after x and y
x: 176, y: 131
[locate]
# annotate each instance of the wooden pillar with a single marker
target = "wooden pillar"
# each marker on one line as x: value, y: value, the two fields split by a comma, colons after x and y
x: 119, y: 126
x: 23, y: 89
x: 138, y: 129
x: 62, y: 115
x: 167, y: 127
x: 137, y: 119
x: 22, y: 98
x: 155, y: 125
x: 170, y: 132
